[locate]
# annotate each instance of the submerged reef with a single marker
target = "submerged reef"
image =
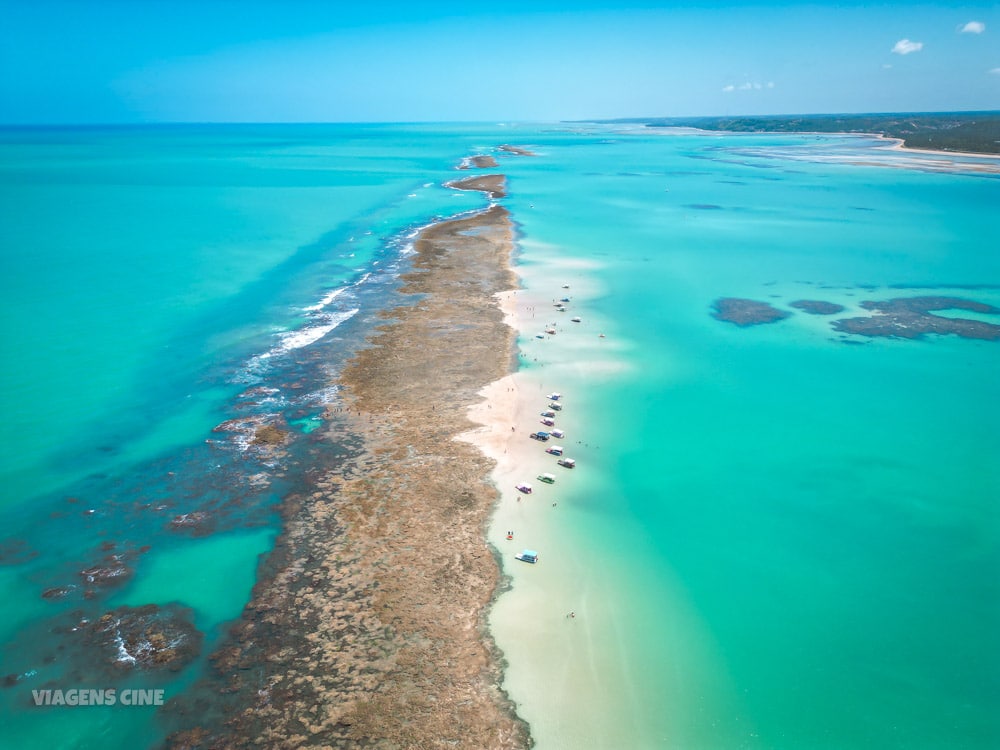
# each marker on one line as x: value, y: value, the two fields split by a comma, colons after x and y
x: 817, y: 306
x: 912, y: 318
x: 746, y: 312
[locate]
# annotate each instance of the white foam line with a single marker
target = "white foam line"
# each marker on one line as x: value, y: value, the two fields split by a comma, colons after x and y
x: 305, y: 336
x: 330, y: 297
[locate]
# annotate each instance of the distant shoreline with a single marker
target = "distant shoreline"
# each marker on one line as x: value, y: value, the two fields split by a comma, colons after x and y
x: 955, y: 133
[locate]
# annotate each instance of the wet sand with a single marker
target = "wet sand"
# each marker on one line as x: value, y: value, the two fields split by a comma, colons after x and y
x: 368, y: 629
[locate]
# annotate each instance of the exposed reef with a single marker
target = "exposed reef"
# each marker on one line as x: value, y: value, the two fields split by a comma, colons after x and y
x: 816, y: 306
x: 746, y: 312
x: 516, y: 150
x: 494, y: 185
x: 482, y: 161
x: 912, y: 318
x: 359, y: 633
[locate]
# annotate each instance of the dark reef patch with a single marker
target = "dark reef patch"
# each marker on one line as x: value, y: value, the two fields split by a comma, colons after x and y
x: 746, y: 312
x: 703, y: 206
x: 147, y: 637
x: 16, y: 552
x: 817, y: 307
x: 912, y: 318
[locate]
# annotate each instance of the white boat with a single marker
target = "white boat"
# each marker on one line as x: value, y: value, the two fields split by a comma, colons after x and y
x: 557, y: 434
x: 523, y: 487
x: 557, y: 407
x: 554, y: 396
x: 528, y: 556
x: 547, y: 478
x: 567, y: 463
x: 551, y: 331
x: 555, y: 450
x: 547, y: 422
x: 548, y: 414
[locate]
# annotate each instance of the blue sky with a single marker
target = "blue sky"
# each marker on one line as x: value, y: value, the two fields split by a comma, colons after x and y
x: 104, y: 61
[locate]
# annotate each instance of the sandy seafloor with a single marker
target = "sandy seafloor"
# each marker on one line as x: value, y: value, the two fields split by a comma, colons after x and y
x: 776, y: 536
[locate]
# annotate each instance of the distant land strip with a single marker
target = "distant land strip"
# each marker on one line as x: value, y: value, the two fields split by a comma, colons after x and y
x: 972, y: 132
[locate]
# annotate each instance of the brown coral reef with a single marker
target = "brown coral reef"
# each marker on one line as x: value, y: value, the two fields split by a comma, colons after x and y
x: 369, y: 630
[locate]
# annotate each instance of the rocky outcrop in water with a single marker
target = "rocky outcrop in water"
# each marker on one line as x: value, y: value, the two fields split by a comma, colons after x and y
x: 147, y: 637
x: 113, y: 571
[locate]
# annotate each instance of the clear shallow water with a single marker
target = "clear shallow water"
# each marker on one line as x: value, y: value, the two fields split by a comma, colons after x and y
x: 773, y: 539
x: 797, y: 538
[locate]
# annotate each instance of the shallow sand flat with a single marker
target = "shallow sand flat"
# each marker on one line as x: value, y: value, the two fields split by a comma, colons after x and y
x: 566, y: 673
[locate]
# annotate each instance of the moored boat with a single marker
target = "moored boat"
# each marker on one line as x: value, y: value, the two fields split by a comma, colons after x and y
x: 528, y: 556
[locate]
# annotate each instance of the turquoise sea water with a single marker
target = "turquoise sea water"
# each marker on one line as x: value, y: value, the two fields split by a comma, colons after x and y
x: 787, y: 539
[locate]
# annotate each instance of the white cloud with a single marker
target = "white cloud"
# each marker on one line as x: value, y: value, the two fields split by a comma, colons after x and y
x: 748, y: 86
x: 905, y: 47
x: 995, y: 71
x: 886, y: 66
x: 973, y: 27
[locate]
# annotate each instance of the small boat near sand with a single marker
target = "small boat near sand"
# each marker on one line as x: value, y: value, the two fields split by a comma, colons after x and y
x: 567, y: 463
x: 574, y: 320
x: 557, y: 434
x: 556, y: 407
x: 550, y: 331
x: 528, y: 556
x: 555, y: 450
x: 547, y: 478
x: 523, y: 487
x: 543, y: 436
x: 548, y: 414
x: 547, y: 422
x: 554, y: 396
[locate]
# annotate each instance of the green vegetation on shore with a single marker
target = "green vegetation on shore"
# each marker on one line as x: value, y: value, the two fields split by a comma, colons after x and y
x: 977, y: 132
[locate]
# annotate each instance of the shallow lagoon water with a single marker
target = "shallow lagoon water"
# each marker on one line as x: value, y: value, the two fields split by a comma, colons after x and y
x: 773, y: 538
